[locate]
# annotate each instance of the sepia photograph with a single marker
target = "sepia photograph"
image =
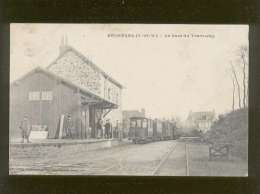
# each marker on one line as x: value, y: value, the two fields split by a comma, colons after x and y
x: 128, y: 99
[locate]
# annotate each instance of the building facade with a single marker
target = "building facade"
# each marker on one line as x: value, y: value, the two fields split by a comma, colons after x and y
x: 71, y: 85
x: 201, y: 121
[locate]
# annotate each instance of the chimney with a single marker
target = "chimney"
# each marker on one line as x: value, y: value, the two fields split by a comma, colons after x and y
x: 63, y: 44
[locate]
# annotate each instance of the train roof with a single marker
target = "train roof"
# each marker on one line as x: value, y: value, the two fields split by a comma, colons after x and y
x: 157, y: 120
x: 139, y: 118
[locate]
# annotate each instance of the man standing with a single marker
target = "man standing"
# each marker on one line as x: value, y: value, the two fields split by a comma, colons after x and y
x: 25, y: 127
x: 68, y: 127
x: 107, y: 129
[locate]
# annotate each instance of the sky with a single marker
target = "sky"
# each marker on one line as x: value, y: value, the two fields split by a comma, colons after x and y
x: 168, y: 75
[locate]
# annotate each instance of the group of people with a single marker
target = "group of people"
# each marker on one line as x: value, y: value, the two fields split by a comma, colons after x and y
x: 104, y: 130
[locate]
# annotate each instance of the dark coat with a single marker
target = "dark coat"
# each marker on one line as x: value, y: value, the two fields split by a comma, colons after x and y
x: 25, y: 126
x: 108, y: 126
x: 68, y: 128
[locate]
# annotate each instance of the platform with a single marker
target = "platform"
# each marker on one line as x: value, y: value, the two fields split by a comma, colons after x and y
x: 61, y: 142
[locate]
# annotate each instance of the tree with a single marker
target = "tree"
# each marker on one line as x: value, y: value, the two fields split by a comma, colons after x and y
x: 243, y: 54
x: 239, y: 76
x: 237, y: 83
x: 234, y: 90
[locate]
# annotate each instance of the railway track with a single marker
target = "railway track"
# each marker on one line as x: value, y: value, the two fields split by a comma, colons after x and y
x: 117, y: 161
x: 163, y: 160
x: 125, y: 167
x: 119, y: 166
x: 86, y: 167
x: 166, y: 161
x: 187, y: 159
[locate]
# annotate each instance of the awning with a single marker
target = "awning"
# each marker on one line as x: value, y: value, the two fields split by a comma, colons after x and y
x: 98, y: 102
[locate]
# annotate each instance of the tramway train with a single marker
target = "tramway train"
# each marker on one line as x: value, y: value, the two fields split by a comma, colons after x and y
x: 143, y: 130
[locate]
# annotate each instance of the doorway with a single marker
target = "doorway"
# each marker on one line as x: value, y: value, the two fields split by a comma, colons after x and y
x: 85, y: 122
x: 92, y: 121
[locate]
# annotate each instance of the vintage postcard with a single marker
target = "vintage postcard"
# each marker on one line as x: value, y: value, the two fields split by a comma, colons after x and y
x: 128, y: 99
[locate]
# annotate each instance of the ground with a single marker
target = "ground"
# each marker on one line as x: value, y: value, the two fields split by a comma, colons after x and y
x: 164, y: 158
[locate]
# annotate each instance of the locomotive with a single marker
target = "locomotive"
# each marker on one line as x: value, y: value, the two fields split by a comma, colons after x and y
x: 143, y: 130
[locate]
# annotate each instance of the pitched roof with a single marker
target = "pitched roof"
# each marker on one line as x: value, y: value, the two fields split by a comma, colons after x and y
x: 206, y: 115
x: 89, y: 62
x: 132, y: 113
x: 55, y: 76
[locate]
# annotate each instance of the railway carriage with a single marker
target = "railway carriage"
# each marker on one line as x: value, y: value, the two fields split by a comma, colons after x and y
x: 158, y: 130
x: 172, y: 130
x: 166, y: 131
x: 141, y: 130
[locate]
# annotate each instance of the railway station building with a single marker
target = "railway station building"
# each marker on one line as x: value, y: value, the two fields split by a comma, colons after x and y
x: 71, y: 85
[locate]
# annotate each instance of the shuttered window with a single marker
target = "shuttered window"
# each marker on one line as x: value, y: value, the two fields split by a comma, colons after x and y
x: 145, y: 123
x: 47, y: 95
x: 35, y: 95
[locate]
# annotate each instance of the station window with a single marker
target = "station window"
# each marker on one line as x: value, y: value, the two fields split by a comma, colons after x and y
x: 139, y: 123
x: 133, y: 123
x: 35, y: 95
x: 47, y: 95
x: 145, y: 123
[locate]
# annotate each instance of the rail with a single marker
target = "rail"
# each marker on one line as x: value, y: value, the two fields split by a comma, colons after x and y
x: 187, y: 159
x: 163, y: 160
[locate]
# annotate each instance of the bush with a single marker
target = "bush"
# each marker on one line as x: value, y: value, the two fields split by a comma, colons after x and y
x: 231, y: 128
